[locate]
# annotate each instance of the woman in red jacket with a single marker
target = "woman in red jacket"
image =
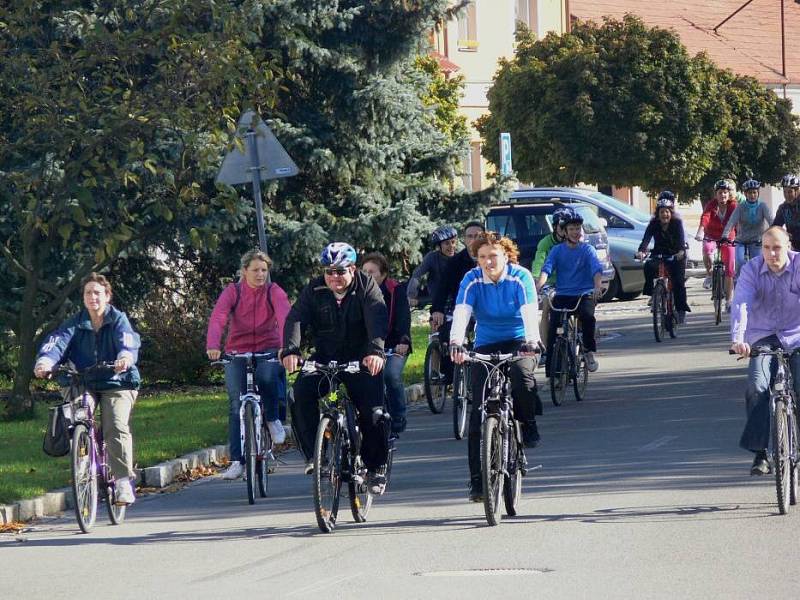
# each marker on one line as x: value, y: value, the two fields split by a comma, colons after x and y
x: 254, y: 312
x: 715, y: 217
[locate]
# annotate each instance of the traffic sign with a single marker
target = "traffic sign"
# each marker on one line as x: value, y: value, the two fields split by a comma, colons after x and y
x: 505, y: 154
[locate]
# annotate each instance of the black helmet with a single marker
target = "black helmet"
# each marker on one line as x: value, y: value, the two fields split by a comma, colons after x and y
x: 666, y: 199
x: 571, y: 216
x: 442, y: 234
x: 560, y: 216
x: 723, y: 184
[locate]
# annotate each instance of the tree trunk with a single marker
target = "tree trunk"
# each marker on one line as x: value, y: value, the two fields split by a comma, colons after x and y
x: 21, y: 402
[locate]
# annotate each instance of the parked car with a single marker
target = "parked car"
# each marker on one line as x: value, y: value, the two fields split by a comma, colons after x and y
x: 625, y: 226
x: 527, y: 223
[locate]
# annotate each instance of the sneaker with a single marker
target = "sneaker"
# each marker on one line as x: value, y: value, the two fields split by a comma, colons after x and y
x: 234, y: 471
x: 124, y: 491
x: 761, y: 464
x: 707, y: 283
x: 727, y: 306
x: 650, y: 301
x: 591, y: 362
x: 276, y: 431
x: 681, y: 317
x: 309, y: 470
x: 475, y: 490
x: 530, y: 434
x: 376, y: 482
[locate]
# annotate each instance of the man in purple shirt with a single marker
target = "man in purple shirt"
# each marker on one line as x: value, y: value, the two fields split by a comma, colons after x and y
x: 766, y: 312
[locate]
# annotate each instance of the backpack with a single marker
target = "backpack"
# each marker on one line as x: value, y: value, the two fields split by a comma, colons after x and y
x: 238, y: 287
x: 56, y: 437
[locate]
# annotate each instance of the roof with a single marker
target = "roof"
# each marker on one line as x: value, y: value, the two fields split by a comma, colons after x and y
x: 447, y: 65
x: 748, y: 44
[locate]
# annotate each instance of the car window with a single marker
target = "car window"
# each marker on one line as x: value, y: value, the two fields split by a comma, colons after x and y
x: 502, y: 224
x: 625, y: 209
x: 537, y: 225
x: 591, y: 222
x: 613, y: 221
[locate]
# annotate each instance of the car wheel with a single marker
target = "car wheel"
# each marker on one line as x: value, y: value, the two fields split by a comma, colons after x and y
x: 614, y: 288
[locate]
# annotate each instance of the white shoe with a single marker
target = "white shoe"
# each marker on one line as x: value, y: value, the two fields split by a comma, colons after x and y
x: 276, y: 431
x: 309, y: 469
x: 124, y: 491
x: 707, y: 283
x: 591, y: 362
x: 234, y: 471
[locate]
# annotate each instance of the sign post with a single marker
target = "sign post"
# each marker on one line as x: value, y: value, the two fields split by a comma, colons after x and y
x: 266, y: 159
x: 505, y: 154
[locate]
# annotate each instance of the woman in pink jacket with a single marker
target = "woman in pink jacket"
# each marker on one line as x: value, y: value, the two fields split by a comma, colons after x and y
x: 254, y: 312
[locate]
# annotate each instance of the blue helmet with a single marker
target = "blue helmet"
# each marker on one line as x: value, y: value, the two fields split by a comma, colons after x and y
x: 560, y: 216
x: 790, y: 180
x: 571, y: 216
x: 666, y: 199
x: 338, y: 254
x: 723, y: 184
x: 750, y: 184
x: 442, y: 234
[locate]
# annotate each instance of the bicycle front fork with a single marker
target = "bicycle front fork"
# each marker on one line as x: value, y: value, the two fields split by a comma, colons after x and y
x: 257, y: 424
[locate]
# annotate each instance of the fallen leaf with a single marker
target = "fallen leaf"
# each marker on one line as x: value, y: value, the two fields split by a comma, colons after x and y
x: 13, y: 527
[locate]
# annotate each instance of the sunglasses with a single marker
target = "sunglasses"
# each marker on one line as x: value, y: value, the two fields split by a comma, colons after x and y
x: 340, y: 272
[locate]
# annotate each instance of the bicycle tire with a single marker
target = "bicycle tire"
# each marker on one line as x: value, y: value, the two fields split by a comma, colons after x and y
x: 250, y: 454
x: 492, y: 468
x: 390, y: 460
x: 669, y: 311
x: 116, y: 513
x: 435, y: 389
x: 327, y: 473
x: 780, y: 455
x: 360, y: 500
x: 460, y: 387
x: 716, y: 295
x: 262, y: 463
x: 658, y: 311
x: 84, y: 478
x: 512, y: 488
x: 559, y: 371
x: 794, y: 480
x: 581, y: 379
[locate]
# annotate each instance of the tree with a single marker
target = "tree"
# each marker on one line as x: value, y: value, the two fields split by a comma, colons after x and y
x: 113, y: 116
x: 617, y: 103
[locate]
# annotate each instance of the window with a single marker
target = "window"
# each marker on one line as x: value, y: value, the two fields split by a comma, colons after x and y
x: 613, y: 221
x: 523, y: 12
x: 468, y: 28
x: 502, y: 224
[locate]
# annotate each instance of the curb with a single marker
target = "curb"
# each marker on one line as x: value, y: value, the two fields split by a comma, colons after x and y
x: 158, y: 476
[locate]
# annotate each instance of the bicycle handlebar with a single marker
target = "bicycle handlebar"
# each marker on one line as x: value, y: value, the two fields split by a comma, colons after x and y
x: 70, y: 370
x: 331, y: 367
x: 229, y: 357
x: 581, y: 297
x: 767, y: 352
x: 720, y: 242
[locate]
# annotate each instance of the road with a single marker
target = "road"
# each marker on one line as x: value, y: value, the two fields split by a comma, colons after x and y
x: 643, y: 493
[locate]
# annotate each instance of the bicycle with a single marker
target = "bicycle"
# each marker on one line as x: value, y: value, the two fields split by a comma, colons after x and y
x: 718, y: 278
x: 337, y: 450
x: 568, y: 362
x: 503, y: 462
x: 88, y: 451
x: 254, y: 436
x: 665, y: 319
x: 462, y: 395
x: 783, y: 429
x: 434, y: 379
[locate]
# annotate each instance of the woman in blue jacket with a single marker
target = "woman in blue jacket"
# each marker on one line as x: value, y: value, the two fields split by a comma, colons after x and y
x: 101, y: 333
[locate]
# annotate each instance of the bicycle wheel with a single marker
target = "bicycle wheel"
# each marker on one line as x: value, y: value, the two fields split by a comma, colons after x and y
x: 250, y: 452
x: 262, y: 463
x: 716, y: 294
x: 84, y: 478
x: 794, y: 483
x: 389, y: 460
x: 512, y: 488
x: 670, y: 319
x: 580, y: 381
x: 360, y: 499
x: 658, y: 311
x: 780, y: 454
x: 116, y: 513
x: 435, y: 389
x: 559, y: 371
x: 492, y: 468
x: 460, y: 387
x: 327, y: 473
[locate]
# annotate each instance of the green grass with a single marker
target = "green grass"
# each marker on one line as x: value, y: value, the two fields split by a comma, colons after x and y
x: 165, y: 426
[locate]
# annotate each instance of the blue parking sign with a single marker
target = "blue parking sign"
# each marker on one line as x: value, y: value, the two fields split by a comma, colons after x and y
x: 505, y: 154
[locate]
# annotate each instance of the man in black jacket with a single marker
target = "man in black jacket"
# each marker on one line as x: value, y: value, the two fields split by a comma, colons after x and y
x: 344, y: 312
x: 447, y: 291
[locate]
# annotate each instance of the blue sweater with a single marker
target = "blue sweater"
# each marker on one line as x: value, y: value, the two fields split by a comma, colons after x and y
x: 575, y: 267
x: 503, y: 311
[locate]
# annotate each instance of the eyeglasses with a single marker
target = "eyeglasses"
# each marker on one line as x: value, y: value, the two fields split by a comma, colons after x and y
x: 334, y: 271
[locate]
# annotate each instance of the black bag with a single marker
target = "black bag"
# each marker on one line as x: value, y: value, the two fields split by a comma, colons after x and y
x: 56, y: 437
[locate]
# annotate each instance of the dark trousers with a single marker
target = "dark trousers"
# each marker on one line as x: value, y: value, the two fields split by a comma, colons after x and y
x: 366, y: 393
x: 585, y: 313
x: 760, y: 373
x: 446, y: 364
x: 523, y: 391
x: 677, y: 275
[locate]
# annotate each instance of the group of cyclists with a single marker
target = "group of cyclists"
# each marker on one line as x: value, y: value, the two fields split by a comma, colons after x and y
x: 354, y: 311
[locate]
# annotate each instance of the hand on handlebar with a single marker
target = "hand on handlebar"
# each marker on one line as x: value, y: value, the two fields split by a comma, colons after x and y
x: 457, y: 353
x: 213, y: 354
x: 373, y: 363
x: 741, y: 349
x: 290, y: 362
x: 41, y: 371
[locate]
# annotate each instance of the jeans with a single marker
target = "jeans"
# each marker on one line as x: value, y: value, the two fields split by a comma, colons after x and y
x: 751, y: 249
x: 270, y: 385
x: 366, y: 393
x: 523, y: 392
x: 760, y: 373
x: 395, y: 390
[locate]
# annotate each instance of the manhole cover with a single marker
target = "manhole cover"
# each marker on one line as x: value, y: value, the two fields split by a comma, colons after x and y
x: 483, y: 572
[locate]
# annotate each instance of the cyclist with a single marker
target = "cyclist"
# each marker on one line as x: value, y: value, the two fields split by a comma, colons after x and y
x: 398, y: 340
x: 446, y: 294
x: 788, y: 213
x: 716, y: 215
x: 347, y: 319
x: 666, y: 231
x: 101, y: 333
x: 444, y: 240
x: 542, y: 250
x: 501, y: 297
x: 750, y: 219
x: 766, y: 312
x: 254, y: 312
x: 579, y: 273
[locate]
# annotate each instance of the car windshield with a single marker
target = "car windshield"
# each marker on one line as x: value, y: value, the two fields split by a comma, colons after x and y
x: 591, y: 222
x: 625, y: 209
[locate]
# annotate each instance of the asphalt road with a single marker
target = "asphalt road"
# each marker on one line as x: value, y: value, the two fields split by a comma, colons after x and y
x: 643, y: 493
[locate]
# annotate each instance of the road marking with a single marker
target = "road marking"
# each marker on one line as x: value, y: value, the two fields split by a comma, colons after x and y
x: 484, y: 572
x: 662, y: 441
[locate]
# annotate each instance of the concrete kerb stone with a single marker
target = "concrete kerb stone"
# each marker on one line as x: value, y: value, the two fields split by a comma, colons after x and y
x: 9, y: 513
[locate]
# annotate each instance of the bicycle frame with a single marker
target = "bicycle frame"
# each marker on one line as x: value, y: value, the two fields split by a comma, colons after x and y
x: 569, y: 329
